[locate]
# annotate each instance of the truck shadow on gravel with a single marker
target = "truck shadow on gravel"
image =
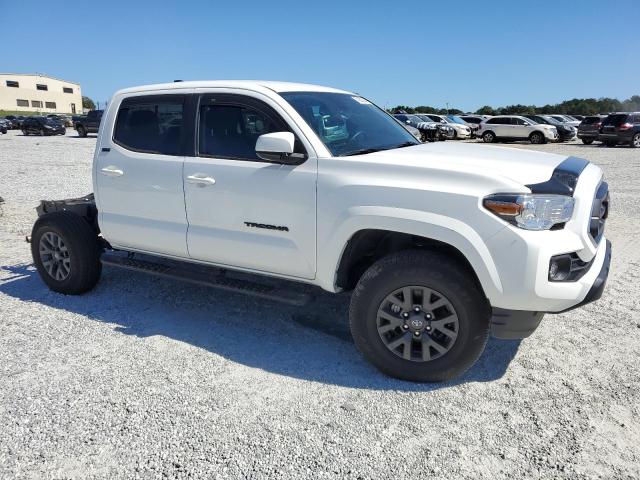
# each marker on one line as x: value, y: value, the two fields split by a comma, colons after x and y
x: 311, y: 343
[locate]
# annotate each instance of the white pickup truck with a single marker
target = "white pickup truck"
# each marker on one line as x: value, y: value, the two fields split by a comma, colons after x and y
x: 441, y: 243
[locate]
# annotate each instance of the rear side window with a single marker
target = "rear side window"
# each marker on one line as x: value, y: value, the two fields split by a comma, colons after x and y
x: 231, y: 131
x: 616, y: 120
x: 499, y: 121
x: 150, y: 124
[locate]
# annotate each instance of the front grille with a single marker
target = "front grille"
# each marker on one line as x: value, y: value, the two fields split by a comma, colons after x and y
x: 599, y: 213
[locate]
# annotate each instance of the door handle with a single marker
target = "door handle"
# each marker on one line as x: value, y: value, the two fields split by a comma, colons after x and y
x: 201, y: 179
x: 112, y: 171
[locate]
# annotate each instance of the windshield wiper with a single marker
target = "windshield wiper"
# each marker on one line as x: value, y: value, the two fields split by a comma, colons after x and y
x: 362, y: 151
x: 406, y: 144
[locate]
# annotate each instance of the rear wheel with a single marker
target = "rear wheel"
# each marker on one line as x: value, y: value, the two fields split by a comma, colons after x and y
x: 82, y: 132
x: 66, y: 251
x: 635, y: 141
x: 587, y: 141
x: 536, y: 138
x: 488, y: 137
x: 419, y: 316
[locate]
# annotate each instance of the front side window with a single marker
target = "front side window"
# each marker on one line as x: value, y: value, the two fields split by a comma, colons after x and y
x: 348, y: 124
x: 150, y: 124
x: 231, y: 130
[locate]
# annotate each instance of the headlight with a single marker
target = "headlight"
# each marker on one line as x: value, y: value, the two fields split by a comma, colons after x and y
x: 531, y: 211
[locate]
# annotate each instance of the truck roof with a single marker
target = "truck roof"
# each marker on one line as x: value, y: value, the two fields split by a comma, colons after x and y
x: 250, y: 84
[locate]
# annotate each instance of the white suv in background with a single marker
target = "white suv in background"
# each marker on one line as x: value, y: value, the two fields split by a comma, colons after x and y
x: 514, y: 127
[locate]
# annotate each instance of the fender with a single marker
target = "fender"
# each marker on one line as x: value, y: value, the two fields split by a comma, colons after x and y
x: 412, y: 222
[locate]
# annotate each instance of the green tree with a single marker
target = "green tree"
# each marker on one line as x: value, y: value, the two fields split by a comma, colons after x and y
x: 486, y: 110
x: 88, y: 104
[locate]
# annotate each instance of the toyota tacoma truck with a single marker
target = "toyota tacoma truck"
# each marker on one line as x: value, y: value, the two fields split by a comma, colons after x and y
x: 441, y: 244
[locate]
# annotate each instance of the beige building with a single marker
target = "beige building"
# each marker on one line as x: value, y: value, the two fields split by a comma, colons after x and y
x: 38, y: 93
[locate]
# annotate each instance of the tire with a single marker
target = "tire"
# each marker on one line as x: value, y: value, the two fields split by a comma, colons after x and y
x: 635, y: 141
x: 442, y: 276
x: 80, y: 246
x: 488, y: 137
x: 455, y: 135
x: 587, y: 141
x: 537, y: 138
x: 25, y: 133
x: 82, y: 132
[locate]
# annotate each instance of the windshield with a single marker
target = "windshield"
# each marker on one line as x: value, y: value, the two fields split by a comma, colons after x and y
x: 456, y: 119
x: 348, y: 124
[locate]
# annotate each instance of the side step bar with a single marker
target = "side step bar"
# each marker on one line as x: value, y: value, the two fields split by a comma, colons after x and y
x: 207, y: 276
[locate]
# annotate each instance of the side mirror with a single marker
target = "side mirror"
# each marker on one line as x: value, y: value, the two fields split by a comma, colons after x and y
x: 278, y: 147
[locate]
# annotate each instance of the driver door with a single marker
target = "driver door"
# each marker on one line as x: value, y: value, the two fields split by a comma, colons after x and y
x: 243, y: 211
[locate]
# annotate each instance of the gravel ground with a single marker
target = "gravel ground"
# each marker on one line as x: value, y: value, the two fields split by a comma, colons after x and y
x: 145, y: 377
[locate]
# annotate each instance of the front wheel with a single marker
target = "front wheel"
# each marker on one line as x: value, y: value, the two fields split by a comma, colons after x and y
x: 82, y: 132
x: 66, y: 251
x: 635, y: 141
x: 488, y: 137
x: 419, y: 316
x: 587, y: 141
x: 536, y: 138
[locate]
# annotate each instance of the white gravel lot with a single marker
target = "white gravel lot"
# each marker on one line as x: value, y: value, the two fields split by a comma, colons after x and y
x: 144, y: 377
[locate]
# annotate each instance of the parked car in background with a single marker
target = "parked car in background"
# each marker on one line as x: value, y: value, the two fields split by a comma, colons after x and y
x: 589, y: 128
x: 578, y: 117
x: 566, y: 132
x: 89, y: 123
x: 444, y: 130
x: 428, y: 132
x: 42, y: 126
x: 565, y: 119
x: 515, y: 127
x: 5, y: 125
x: 16, y: 121
x: 621, y: 128
x: 460, y: 130
x: 63, y: 119
x: 474, y: 120
x: 473, y: 127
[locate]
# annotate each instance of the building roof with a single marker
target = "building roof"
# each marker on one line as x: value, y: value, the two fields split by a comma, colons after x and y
x: 37, y: 75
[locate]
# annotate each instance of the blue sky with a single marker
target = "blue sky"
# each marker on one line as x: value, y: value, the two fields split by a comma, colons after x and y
x: 466, y: 53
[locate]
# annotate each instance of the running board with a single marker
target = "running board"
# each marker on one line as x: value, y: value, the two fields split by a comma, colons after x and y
x: 207, y: 276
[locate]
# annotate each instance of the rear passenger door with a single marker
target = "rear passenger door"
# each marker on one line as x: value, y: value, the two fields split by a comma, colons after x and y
x: 138, y: 174
x: 243, y: 211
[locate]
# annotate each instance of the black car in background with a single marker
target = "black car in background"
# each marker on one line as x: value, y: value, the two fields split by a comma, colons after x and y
x: 5, y: 125
x: 566, y: 132
x: 589, y: 128
x: 429, y: 131
x: 16, y: 121
x: 42, y: 126
x: 621, y: 128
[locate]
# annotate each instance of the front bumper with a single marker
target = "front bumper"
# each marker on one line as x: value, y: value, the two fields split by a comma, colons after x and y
x: 515, y: 324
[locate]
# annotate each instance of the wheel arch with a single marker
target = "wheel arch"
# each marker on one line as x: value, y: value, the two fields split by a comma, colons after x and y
x: 350, y: 252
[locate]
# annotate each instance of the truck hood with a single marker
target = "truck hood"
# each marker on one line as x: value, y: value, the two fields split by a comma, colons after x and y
x: 522, y: 166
